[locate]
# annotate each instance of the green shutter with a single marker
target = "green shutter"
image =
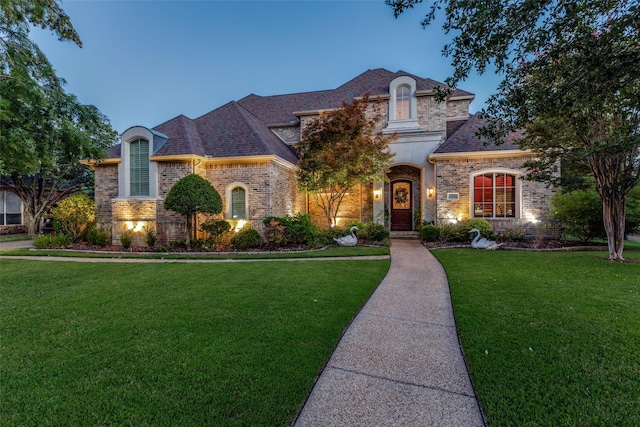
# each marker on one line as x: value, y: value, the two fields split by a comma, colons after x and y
x: 238, y: 205
x: 139, y: 167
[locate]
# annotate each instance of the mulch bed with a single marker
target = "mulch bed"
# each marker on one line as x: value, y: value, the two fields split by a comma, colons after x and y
x: 532, y: 245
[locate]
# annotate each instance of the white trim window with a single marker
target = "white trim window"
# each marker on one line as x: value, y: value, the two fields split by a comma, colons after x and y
x: 10, y: 208
x: 403, y: 102
x: 495, y: 194
x: 139, y: 167
x: 137, y: 173
x: 403, y: 106
x: 237, y: 201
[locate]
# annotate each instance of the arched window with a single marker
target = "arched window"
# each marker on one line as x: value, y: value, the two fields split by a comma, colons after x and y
x: 238, y: 203
x: 494, y: 195
x: 403, y: 105
x: 139, y: 167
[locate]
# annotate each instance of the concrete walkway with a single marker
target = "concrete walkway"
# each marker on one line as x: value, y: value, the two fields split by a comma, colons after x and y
x: 399, y: 362
x: 17, y: 244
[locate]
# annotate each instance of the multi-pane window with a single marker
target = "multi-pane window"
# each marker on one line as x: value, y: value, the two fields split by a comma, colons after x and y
x: 402, y: 102
x: 238, y: 203
x: 139, y: 167
x: 10, y: 209
x: 494, y: 195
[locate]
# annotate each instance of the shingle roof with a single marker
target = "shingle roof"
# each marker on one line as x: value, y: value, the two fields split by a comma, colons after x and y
x: 464, y: 139
x: 241, y: 128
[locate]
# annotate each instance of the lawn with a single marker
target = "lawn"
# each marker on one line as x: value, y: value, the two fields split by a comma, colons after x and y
x: 170, y: 344
x: 549, y: 338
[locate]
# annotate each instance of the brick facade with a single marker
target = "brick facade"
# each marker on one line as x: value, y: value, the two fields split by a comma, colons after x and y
x: 453, y: 176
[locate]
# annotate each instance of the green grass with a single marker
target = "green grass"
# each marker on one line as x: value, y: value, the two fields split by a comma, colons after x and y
x: 170, y: 344
x: 550, y: 338
x: 332, y: 251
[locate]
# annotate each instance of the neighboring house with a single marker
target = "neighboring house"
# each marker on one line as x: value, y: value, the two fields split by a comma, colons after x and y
x: 440, y: 171
x: 11, y: 213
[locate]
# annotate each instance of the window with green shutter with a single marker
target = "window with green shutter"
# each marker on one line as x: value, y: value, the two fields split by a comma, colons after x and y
x: 238, y: 203
x: 139, y: 167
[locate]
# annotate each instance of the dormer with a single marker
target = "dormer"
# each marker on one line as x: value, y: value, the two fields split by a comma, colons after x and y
x: 403, y: 106
x: 138, y: 176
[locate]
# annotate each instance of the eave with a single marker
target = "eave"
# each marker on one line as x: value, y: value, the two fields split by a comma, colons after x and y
x: 480, y: 155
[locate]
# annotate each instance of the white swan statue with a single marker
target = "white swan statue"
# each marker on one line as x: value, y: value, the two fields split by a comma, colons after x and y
x: 348, y: 240
x: 483, y: 243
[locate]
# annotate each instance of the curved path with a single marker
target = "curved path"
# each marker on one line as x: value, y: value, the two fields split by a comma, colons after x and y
x: 399, y: 363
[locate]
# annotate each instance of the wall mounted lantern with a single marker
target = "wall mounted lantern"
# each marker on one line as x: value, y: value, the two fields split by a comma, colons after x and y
x: 377, y: 194
x: 430, y: 192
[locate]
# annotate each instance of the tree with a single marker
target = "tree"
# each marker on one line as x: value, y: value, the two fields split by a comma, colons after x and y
x: 44, y: 131
x: 43, y: 135
x: 17, y: 50
x: 340, y: 149
x: 192, y: 195
x: 571, y: 83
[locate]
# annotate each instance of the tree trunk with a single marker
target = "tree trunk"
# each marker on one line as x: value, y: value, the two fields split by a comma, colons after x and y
x: 33, y: 223
x: 613, y: 215
x: 189, y: 226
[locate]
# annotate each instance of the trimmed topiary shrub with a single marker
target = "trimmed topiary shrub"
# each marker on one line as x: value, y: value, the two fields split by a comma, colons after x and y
x: 430, y: 233
x: 215, y: 228
x: 126, y: 240
x: 247, y: 238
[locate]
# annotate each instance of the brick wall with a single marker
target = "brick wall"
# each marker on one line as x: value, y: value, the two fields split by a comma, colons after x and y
x: 453, y: 176
x: 106, y: 188
x: 431, y: 114
x: 458, y: 108
x: 357, y: 205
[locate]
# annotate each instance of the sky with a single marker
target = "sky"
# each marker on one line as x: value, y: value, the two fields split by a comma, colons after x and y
x: 145, y: 62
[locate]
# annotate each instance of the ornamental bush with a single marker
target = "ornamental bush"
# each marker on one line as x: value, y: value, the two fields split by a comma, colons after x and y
x: 51, y: 241
x: 247, y: 238
x: 459, y: 232
x: 126, y: 239
x: 98, y: 237
x: 298, y: 229
x: 215, y: 228
x: 430, y: 233
x: 74, y: 216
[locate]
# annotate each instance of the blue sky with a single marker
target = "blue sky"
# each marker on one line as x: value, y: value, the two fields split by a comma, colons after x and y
x: 145, y: 62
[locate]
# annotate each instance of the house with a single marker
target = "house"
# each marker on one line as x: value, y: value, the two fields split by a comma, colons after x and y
x: 11, y: 212
x: 440, y: 171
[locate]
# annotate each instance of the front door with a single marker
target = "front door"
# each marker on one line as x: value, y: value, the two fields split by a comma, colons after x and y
x: 401, y: 206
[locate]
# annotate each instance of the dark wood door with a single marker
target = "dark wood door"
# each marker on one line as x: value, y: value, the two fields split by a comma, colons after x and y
x: 401, y: 206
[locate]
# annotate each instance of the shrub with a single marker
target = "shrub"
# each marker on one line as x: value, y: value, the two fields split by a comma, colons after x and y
x: 511, y: 235
x: 375, y: 232
x: 298, y: 229
x: 98, y: 237
x: 150, y: 236
x: 430, y: 233
x: 215, y: 228
x: 126, y: 240
x: 459, y: 232
x: 274, y: 234
x: 74, y: 216
x: 50, y: 241
x: 191, y: 195
x: 580, y: 213
x: 177, y: 244
x: 247, y: 238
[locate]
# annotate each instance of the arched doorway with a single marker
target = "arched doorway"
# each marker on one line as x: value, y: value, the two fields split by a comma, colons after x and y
x: 401, y: 205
